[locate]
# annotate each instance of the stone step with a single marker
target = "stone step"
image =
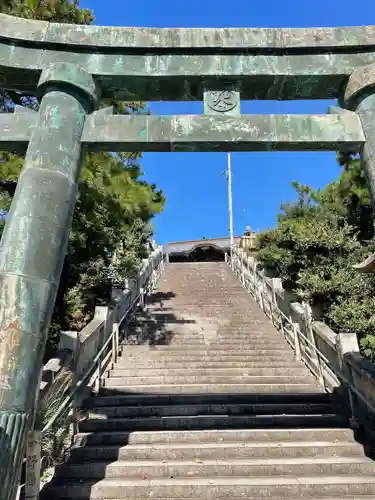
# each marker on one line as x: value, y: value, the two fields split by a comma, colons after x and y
x: 180, y: 344
x: 204, y: 372
x: 201, y: 437
x: 263, y: 467
x: 235, y: 300
x: 260, y: 333
x: 234, y: 328
x: 180, y: 326
x: 203, y: 347
x: 210, y: 422
x: 207, y: 379
x: 238, y: 328
x: 151, y: 356
x: 219, y: 303
x: 211, y: 409
x: 213, y: 344
x: 337, y: 487
x: 230, y: 338
x: 217, y: 450
x: 210, y: 388
x: 211, y: 308
x: 172, y: 343
x: 215, y: 398
x: 235, y: 333
x: 236, y: 309
x: 129, y: 363
x: 351, y: 497
x: 173, y: 350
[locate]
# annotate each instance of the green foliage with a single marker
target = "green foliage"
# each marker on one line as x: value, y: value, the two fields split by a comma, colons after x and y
x: 318, y: 239
x: 108, y: 237
x: 114, y: 206
x: 57, y: 11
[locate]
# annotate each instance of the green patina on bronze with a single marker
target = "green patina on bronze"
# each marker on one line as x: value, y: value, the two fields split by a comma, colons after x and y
x: 359, y: 95
x: 33, y: 248
x: 175, y: 64
x: 224, y: 133
x: 69, y: 67
x: 111, y: 37
x: 106, y: 132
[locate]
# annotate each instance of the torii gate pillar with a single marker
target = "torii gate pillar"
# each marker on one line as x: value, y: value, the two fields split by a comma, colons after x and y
x: 43, y: 205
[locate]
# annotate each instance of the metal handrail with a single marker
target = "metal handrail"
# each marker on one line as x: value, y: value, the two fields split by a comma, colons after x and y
x: 337, y: 373
x: 98, y: 358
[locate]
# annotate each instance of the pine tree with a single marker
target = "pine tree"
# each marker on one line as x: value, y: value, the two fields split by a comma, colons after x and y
x: 114, y: 206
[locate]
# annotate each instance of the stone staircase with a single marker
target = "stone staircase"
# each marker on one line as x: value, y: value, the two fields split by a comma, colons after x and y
x: 208, y: 402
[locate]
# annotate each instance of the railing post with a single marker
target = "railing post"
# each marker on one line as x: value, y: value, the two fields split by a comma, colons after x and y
x: 248, y: 270
x: 115, y: 342
x: 101, y: 313
x: 243, y: 273
x: 281, y: 317
x: 73, y: 415
x: 272, y: 301
x: 255, y: 280
x: 98, y: 380
x: 261, y: 290
x: 33, y: 461
x: 156, y: 273
x: 236, y: 262
x: 346, y: 343
x: 149, y: 285
x: 311, y: 337
x: 321, y: 373
x: 297, y: 345
x: 142, y: 298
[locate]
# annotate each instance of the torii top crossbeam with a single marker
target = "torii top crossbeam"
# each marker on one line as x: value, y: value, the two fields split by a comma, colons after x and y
x: 175, y: 63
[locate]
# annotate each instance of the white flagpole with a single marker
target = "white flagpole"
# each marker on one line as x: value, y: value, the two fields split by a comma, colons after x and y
x: 229, y: 174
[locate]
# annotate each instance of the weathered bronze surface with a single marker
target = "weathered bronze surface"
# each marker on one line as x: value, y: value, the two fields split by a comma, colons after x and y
x: 359, y: 95
x: 224, y: 133
x: 175, y: 64
x: 107, y: 132
x: 32, y: 252
x: 99, y: 37
x: 69, y: 66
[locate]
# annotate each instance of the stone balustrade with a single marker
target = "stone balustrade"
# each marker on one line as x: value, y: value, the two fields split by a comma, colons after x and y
x: 340, y: 350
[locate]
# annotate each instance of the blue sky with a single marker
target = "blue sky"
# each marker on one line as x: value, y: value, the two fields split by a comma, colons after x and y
x: 196, y: 190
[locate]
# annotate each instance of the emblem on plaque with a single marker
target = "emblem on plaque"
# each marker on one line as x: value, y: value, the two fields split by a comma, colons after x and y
x: 221, y: 100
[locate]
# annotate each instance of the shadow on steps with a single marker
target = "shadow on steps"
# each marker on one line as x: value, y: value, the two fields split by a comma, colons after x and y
x: 151, y: 325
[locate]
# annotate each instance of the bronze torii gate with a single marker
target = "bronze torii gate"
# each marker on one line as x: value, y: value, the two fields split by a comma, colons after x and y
x: 70, y: 67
